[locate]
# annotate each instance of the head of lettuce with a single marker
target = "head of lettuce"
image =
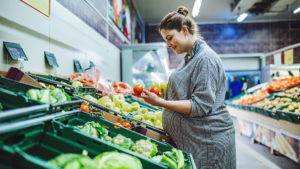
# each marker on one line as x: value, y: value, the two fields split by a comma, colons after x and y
x: 115, y: 160
x: 107, y: 160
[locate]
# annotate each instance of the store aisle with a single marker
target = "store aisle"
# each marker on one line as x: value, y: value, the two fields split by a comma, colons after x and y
x: 247, y: 158
x: 257, y: 156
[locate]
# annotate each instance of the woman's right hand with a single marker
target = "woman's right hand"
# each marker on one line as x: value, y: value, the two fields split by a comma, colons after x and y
x: 152, y: 98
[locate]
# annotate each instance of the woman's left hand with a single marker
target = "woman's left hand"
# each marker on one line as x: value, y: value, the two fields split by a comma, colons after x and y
x: 152, y: 98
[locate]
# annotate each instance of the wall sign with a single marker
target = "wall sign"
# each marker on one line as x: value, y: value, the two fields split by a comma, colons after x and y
x: 289, y: 56
x: 78, y: 67
x: 43, y: 6
x: 15, y: 51
x: 51, y: 59
x: 277, y: 59
x: 92, y: 64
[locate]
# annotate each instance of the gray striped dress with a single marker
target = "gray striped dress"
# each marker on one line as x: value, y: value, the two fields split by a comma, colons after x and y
x: 207, y: 132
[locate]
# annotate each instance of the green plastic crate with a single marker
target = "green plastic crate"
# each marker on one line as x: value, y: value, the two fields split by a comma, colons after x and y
x: 284, y: 115
x: 273, y: 114
x: 66, y: 126
x: 262, y: 111
x: 64, y: 84
x: 11, y: 100
x: 24, y: 113
x: 32, y: 147
x: 15, y: 86
x: 128, y: 118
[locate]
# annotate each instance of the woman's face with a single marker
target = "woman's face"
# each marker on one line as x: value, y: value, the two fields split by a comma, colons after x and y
x: 175, y: 40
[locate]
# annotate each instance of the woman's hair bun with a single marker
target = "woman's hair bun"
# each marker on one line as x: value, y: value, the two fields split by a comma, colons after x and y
x: 183, y: 10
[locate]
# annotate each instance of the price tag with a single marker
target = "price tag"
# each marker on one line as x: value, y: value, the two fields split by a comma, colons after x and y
x: 77, y: 66
x: 51, y: 59
x: 92, y: 64
x: 15, y: 51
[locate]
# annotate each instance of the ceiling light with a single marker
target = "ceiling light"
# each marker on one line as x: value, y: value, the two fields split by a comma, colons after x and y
x: 196, y: 7
x: 242, y: 17
x: 296, y: 10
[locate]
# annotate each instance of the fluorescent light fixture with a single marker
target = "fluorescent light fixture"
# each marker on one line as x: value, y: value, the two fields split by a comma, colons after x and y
x: 242, y: 17
x: 196, y: 7
x: 296, y: 10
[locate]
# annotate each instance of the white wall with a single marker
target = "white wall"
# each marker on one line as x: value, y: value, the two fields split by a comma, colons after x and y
x: 241, y: 63
x: 63, y: 34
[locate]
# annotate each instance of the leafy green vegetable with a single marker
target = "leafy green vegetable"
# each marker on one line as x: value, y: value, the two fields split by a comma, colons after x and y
x: 145, y: 148
x: 73, y: 161
x: 123, y: 141
x: 169, y: 161
x: 174, y: 158
x: 49, y: 96
x: 95, y: 129
x: 180, y: 157
x: 115, y: 160
x: 91, y: 98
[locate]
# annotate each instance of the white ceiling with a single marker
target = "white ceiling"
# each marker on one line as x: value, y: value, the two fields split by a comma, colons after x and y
x: 211, y: 11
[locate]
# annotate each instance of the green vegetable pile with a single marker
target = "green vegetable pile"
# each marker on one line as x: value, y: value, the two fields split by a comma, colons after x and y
x: 95, y: 130
x: 106, y: 160
x: 49, y: 96
x: 174, y: 158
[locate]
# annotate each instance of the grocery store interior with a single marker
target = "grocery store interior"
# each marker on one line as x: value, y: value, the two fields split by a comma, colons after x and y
x: 97, y: 84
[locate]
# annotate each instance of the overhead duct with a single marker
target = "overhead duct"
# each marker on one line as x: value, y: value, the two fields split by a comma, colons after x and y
x: 258, y: 7
x: 243, y: 6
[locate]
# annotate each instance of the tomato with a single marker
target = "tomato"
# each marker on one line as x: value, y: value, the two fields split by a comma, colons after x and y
x: 154, y: 90
x: 85, y: 108
x: 126, y: 125
x: 138, y: 89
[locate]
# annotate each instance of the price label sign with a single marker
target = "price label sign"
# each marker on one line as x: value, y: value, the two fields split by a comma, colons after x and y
x: 51, y: 59
x: 77, y: 66
x: 289, y: 56
x: 92, y: 64
x: 15, y: 51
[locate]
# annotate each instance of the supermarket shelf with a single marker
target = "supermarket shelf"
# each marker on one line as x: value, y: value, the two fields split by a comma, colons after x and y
x: 280, y: 126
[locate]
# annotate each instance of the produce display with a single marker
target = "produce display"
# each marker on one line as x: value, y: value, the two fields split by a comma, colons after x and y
x: 282, y: 84
x: 51, y: 95
x: 106, y: 160
x: 174, y: 158
x: 274, y: 104
x: 119, y: 104
x: 286, y: 101
x: 293, y: 93
x: 251, y: 98
x: 152, y: 118
x: 65, y: 141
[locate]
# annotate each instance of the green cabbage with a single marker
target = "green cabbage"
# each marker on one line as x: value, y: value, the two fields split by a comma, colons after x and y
x: 115, y: 160
x: 73, y: 161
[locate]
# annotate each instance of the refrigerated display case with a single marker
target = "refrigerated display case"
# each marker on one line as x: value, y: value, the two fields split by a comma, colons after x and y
x: 145, y: 63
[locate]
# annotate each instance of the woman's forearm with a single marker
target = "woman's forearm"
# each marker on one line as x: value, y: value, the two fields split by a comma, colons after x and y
x: 181, y: 106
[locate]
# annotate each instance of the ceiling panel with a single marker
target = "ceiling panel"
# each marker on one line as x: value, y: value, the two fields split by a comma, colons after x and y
x: 212, y: 11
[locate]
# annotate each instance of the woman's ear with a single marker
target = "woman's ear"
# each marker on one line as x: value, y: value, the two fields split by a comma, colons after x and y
x: 184, y: 29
